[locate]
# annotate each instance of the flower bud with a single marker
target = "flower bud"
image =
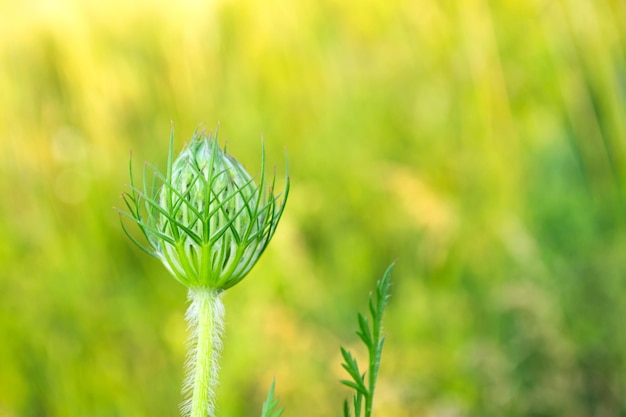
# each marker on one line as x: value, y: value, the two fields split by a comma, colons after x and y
x: 209, y: 222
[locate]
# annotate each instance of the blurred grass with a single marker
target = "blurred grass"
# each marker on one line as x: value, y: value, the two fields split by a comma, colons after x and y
x: 482, y: 143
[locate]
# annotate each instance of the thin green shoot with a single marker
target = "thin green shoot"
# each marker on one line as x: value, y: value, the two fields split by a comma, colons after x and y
x: 364, y: 383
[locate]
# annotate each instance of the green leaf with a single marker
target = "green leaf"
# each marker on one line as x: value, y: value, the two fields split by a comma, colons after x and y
x: 357, y: 387
x: 364, y: 331
x: 346, y: 409
x: 270, y: 404
x: 351, y: 366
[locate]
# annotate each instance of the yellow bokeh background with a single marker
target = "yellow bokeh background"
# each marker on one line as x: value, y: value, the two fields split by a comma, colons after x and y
x: 480, y: 143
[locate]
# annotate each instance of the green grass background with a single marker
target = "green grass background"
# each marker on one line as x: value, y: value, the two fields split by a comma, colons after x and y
x: 482, y: 143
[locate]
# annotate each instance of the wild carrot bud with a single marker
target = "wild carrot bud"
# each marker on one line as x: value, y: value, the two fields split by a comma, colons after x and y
x: 208, y: 221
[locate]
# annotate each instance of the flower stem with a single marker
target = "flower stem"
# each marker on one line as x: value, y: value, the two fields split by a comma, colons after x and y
x: 205, y: 317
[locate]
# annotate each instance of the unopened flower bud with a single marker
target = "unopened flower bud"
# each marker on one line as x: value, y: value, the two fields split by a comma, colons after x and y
x: 209, y: 222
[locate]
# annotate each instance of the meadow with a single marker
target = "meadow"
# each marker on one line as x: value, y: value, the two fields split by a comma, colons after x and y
x: 482, y: 144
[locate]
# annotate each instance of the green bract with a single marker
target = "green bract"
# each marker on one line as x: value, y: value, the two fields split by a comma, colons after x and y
x: 206, y: 219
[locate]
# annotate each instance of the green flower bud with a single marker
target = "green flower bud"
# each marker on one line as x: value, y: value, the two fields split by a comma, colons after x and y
x: 208, y: 221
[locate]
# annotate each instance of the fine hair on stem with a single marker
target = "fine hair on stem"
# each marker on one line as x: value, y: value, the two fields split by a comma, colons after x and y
x: 205, y: 321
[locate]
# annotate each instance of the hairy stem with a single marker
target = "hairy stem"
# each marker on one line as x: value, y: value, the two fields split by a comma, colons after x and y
x: 205, y: 317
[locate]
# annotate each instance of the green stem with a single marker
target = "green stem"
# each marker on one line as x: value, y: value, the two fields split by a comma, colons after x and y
x: 205, y: 317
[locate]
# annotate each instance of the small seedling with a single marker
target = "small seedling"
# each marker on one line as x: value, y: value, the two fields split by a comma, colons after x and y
x: 364, y: 384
